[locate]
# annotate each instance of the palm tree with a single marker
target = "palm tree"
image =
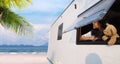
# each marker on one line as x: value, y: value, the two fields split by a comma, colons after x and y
x: 13, y: 21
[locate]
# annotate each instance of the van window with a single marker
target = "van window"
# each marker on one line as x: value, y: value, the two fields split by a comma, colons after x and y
x: 60, y: 29
x: 98, y: 31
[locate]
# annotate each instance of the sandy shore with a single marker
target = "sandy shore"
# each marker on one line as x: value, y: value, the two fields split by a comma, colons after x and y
x: 23, y: 59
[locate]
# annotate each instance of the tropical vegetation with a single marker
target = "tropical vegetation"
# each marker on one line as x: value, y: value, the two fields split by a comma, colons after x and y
x: 12, y: 21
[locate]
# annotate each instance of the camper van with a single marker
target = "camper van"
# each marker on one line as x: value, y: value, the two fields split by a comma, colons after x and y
x: 67, y: 42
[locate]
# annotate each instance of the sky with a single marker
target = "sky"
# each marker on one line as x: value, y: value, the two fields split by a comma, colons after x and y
x: 42, y: 13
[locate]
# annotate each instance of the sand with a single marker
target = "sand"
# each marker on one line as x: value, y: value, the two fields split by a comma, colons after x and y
x: 23, y: 59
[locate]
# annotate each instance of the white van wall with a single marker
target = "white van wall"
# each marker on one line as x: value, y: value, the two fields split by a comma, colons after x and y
x: 56, y: 47
x: 65, y: 51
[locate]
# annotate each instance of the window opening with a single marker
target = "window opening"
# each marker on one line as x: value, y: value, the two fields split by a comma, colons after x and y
x: 60, y: 29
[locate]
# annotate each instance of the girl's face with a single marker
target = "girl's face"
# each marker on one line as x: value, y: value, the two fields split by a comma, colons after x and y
x: 96, y: 25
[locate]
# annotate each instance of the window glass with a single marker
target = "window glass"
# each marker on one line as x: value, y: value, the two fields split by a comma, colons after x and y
x: 60, y: 28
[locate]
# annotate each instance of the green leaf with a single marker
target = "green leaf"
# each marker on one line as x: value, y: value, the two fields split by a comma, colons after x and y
x: 16, y: 23
x: 15, y: 3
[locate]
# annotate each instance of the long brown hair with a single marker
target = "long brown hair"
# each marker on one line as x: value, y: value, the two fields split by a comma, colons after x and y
x: 97, y: 25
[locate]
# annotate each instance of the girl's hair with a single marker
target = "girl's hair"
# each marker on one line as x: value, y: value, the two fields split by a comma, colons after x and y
x: 99, y: 26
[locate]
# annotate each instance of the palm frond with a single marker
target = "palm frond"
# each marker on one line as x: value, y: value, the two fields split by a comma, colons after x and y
x: 15, y: 3
x: 16, y: 23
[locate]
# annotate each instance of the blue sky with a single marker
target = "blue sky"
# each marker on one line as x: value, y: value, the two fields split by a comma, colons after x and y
x: 42, y: 13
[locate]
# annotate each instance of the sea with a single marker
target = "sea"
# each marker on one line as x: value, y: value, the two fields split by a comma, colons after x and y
x: 22, y: 49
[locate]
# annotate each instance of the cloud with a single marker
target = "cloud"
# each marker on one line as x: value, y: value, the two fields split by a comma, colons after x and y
x: 40, y: 36
x: 41, y: 27
x: 7, y: 35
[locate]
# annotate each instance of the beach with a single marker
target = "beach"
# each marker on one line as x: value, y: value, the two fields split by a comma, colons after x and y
x: 23, y: 58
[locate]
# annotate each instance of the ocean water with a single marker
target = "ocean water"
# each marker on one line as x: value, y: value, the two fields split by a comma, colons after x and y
x: 19, y: 49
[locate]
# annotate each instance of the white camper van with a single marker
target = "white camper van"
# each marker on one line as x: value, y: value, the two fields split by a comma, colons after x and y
x: 66, y: 45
